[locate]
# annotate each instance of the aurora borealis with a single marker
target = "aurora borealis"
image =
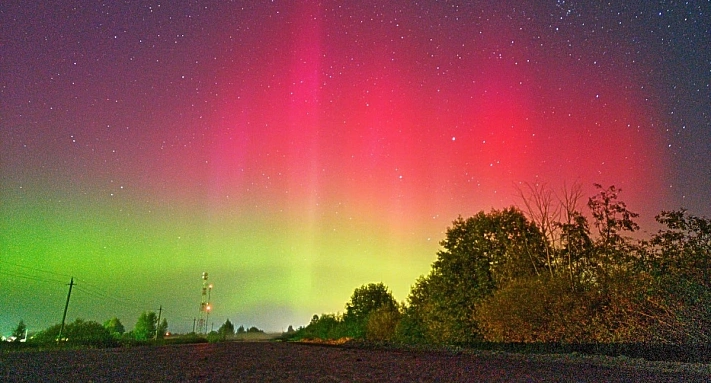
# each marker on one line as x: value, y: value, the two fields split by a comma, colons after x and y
x: 297, y: 150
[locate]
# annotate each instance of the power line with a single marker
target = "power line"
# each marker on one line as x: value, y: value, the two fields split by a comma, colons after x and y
x: 90, y: 289
x: 97, y: 293
x: 103, y: 298
x: 30, y: 277
x: 34, y: 269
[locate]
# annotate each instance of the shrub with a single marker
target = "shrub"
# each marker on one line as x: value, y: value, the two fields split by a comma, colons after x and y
x: 382, y: 324
x: 537, y: 310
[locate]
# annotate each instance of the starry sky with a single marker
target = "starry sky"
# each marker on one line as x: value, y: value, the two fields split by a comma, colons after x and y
x: 296, y: 150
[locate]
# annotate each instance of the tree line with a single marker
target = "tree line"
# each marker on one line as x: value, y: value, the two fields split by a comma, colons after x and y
x: 92, y: 333
x: 545, y: 272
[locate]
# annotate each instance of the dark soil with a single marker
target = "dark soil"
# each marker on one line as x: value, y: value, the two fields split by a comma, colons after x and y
x: 289, y: 362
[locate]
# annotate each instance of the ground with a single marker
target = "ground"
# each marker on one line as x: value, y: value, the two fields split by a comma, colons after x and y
x: 289, y: 362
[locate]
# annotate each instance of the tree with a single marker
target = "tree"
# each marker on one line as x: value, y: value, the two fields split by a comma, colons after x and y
x: 684, y: 247
x: 479, y: 253
x: 162, y: 328
x: 146, y: 326
x: 576, y: 247
x: 420, y: 316
x: 678, y: 295
x: 364, y: 301
x: 611, y: 216
x: 538, y: 202
x: 327, y: 326
x: 562, y: 225
x: 19, y: 332
x: 114, y: 326
x: 613, y: 251
x: 227, y: 329
x: 575, y: 233
x: 241, y: 330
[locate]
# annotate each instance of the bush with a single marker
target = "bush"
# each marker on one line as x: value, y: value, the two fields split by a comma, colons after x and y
x: 382, y: 324
x: 537, y: 310
x: 214, y: 337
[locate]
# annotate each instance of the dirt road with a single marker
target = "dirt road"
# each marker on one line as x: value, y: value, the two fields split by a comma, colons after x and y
x: 286, y: 362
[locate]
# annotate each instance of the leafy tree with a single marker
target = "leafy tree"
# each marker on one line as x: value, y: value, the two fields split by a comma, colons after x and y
x: 364, y: 301
x: 576, y: 248
x: 241, y: 330
x: 162, y: 328
x: 684, y: 247
x: 114, y: 326
x: 500, y: 277
x: 79, y: 332
x: 611, y: 216
x: 614, y: 255
x: 327, y: 326
x: 420, y: 316
x: 677, y: 295
x: 146, y: 326
x: 19, y: 332
x: 479, y: 253
x: 254, y: 330
x: 227, y: 329
x: 290, y: 329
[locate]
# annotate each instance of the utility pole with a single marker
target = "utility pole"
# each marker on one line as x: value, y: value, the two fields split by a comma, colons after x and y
x: 66, y: 306
x: 194, y: 319
x: 160, y: 310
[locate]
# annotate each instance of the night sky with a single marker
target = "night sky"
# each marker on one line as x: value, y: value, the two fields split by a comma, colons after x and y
x: 298, y: 150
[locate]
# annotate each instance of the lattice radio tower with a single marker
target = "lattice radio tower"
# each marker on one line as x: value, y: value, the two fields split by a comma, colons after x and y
x: 205, y: 306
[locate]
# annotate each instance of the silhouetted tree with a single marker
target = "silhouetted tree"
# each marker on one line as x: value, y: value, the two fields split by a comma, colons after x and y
x: 227, y: 329
x: 162, y: 328
x: 19, y: 332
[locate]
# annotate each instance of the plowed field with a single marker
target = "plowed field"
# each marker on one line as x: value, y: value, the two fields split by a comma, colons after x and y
x: 288, y: 362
